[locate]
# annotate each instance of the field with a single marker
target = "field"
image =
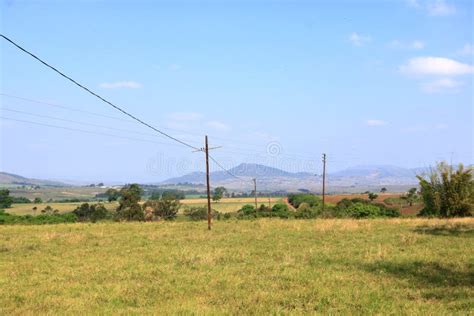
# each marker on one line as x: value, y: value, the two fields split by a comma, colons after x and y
x: 401, y: 266
x: 225, y: 205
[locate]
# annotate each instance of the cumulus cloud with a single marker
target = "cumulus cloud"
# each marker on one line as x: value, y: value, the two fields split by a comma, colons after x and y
x: 433, y: 7
x: 121, y: 85
x: 359, y: 40
x: 442, y: 85
x: 435, y: 66
x: 376, y: 123
x: 218, y: 125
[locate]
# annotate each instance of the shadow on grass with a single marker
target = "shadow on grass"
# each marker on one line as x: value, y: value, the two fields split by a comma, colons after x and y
x: 424, y: 274
x: 458, y: 229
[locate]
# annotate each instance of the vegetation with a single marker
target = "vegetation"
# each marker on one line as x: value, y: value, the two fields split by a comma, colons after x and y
x: 93, y: 212
x: 165, y: 208
x: 372, y: 196
x: 129, y: 209
x: 5, y: 199
x: 447, y: 192
x: 218, y: 193
x: 200, y: 213
x: 297, y: 199
x: 270, y: 266
x: 6, y: 218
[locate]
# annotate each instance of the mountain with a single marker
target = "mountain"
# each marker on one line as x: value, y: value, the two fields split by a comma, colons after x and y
x: 14, y: 179
x: 273, y: 179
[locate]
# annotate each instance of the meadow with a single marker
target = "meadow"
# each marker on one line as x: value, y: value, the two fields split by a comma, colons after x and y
x: 343, y: 266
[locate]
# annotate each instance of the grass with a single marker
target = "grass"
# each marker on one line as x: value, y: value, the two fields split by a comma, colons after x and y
x: 224, y: 206
x: 398, y: 266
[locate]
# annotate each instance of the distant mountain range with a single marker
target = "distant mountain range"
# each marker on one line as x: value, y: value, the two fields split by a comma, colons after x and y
x: 273, y: 179
x: 355, y: 179
x: 13, y: 179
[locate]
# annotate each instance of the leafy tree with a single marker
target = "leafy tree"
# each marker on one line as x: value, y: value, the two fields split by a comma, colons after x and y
x: 165, y: 208
x: 411, y: 196
x: 128, y: 208
x: 218, y: 193
x: 48, y: 210
x: 372, y: 196
x: 5, y: 199
x: 93, y: 213
x: 37, y: 200
x: 447, y: 192
x: 112, y: 195
x: 383, y: 190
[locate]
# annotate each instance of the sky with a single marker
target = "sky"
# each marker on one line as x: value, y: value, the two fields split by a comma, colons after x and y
x: 272, y: 82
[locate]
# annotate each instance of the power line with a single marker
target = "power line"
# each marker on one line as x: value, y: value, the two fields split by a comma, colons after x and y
x: 86, y: 131
x: 77, y: 122
x: 225, y: 169
x: 96, y: 95
x: 64, y: 107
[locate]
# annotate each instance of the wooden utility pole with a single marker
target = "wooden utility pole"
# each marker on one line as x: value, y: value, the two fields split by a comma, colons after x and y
x: 255, y: 192
x: 209, y: 215
x: 324, y: 180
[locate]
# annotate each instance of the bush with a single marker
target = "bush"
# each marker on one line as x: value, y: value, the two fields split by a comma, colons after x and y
x: 6, y: 218
x: 281, y: 210
x: 92, y: 213
x: 200, y: 213
x: 307, y: 212
x: 166, y: 208
x: 360, y: 210
x: 297, y: 199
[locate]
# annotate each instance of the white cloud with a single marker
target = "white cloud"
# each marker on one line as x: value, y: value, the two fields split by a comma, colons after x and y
x: 415, y: 45
x: 435, y: 66
x: 121, y: 85
x: 185, y: 116
x: 359, y: 40
x: 442, y: 85
x: 468, y: 49
x: 376, y: 123
x: 218, y: 125
x: 175, y: 67
x: 440, y: 8
x: 433, y: 7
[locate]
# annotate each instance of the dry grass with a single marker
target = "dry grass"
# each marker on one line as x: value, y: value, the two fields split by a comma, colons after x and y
x: 401, y: 266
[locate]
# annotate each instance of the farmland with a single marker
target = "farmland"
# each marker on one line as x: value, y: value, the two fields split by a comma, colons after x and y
x: 399, y: 266
x: 225, y: 205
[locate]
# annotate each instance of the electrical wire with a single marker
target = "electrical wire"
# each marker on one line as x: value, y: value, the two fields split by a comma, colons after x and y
x: 97, y: 95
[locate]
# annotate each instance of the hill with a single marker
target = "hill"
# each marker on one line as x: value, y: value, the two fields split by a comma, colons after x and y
x: 10, y: 179
x: 274, y: 179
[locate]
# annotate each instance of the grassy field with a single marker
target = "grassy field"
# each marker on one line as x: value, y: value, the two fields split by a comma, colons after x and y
x: 224, y: 206
x: 401, y: 266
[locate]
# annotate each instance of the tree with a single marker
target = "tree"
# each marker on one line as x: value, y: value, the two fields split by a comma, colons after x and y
x: 112, y: 195
x: 93, y: 212
x: 48, y: 210
x: 165, y: 208
x: 447, y: 192
x: 411, y: 196
x: 383, y: 190
x: 128, y: 208
x: 37, y: 200
x: 372, y: 196
x: 218, y: 193
x: 5, y: 199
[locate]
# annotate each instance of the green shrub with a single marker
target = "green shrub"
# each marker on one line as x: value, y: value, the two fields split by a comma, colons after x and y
x: 360, y: 210
x: 297, y: 199
x: 200, y: 213
x: 6, y: 218
x: 93, y: 212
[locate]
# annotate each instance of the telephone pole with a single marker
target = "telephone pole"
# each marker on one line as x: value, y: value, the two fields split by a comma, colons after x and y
x: 255, y: 192
x: 209, y: 215
x: 324, y: 180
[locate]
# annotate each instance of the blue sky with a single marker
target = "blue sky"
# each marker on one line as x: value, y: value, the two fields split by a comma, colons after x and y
x: 273, y: 82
